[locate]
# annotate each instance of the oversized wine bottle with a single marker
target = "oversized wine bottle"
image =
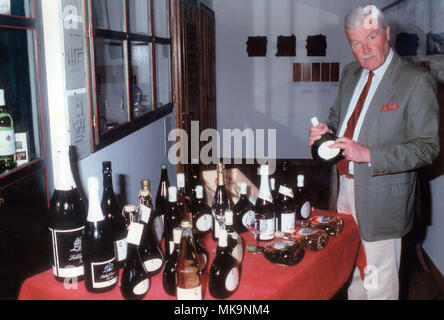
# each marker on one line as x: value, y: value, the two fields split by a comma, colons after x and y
x: 113, y: 213
x: 243, y: 210
x: 264, y: 206
x: 8, y: 158
x: 162, y: 195
x: 224, y: 272
x: 221, y: 202
x: 234, y: 240
x: 320, y: 150
x: 173, y: 216
x: 202, y: 215
x: 188, y: 282
x: 98, y: 245
x: 169, y: 270
x: 150, y: 250
x: 66, y: 220
x: 183, y: 198
x: 302, y: 203
x: 145, y: 198
x: 285, y: 205
x: 135, y: 281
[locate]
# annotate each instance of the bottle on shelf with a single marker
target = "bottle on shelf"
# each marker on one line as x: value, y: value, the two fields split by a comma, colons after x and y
x: 221, y: 202
x: 66, y: 221
x: 234, y: 240
x: 135, y: 281
x: 202, y: 215
x: 173, y: 216
x: 8, y: 157
x: 264, y: 206
x: 302, y: 203
x: 285, y: 205
x: 183, y: 198
x: 98, y: 245
x: 243, y: 210
x: 145, y: 198
x: 195, y: 180
x: 224, y: 272
x: 150, y: 250
x: 188, y: 282
x: 162, y: 195
x: 169, y: 270
x: 113, y: 213
x: 320, y: 150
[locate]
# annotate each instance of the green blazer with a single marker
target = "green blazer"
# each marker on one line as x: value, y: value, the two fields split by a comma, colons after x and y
x: 401, y: 129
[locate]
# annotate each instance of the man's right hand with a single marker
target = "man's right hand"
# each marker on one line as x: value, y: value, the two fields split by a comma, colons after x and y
x: 317, y: 132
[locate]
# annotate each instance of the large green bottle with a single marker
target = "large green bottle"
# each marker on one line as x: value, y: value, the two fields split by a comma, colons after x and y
x: 8, y: 159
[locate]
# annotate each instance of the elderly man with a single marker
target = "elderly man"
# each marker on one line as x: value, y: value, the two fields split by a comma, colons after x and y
x: 387, y: 117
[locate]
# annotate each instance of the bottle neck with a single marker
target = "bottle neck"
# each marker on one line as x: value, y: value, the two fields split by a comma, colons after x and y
x: 63, y: 177
x: 95, y: 213
x: 264, y: 190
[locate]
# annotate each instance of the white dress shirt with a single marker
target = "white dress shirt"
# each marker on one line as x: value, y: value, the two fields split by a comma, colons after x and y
x: 377, y: 77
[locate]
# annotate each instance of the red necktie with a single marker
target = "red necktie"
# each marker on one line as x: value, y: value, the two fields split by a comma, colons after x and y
x: 351, y: 123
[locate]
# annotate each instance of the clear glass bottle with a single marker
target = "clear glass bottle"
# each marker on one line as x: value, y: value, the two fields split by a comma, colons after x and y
x: 188, y: 273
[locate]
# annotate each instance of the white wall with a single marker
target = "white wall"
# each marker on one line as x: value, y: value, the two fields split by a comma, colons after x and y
x: 259, y: 92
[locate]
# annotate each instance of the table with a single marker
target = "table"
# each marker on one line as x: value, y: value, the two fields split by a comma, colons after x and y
x: 318, y: 276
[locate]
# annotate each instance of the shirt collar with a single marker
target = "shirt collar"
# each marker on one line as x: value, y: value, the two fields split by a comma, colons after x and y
x: 381, y: 70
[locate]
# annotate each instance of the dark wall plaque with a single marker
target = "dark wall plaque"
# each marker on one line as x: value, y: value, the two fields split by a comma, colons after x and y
x: 286, y: 46
x: 257, y: 46
x: 316, y: 45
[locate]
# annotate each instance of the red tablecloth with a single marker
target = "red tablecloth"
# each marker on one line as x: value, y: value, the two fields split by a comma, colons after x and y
x: 318, y: 276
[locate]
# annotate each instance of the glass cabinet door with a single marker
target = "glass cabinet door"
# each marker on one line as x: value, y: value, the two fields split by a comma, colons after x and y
x: 21, y: 140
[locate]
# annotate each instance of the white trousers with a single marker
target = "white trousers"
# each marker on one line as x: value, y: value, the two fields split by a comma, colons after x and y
x: 381, y: 281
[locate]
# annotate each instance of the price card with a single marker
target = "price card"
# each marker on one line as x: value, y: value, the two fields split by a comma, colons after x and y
x: 145, y: 213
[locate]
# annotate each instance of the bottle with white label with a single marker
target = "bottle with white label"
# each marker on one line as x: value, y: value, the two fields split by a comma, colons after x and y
x: 8, y: 157
x: 149, y: 249
x: 162, y: 196
x: 183, y: 198
x: 221, y: 202
x: 173, y: 216
x: 98, y: 245
x: 302, y: 203
x: 224, y: 277
x: 135, y: 281
x: 66, y: 220
x: 113, y: 213
x: 234, y: 240
x: 285, y: 205
x: 243, y: 211
x: 145, y: 198
x: 188, y: 282
x: 320, y: 150
x: 264, y: 206
x: 169, y: 270
x: 202, y: 215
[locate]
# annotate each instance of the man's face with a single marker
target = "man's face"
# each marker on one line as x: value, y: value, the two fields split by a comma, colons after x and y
x: 370, y: 45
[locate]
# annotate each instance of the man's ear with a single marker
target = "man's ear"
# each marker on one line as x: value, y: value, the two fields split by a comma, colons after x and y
x: 387, y: 32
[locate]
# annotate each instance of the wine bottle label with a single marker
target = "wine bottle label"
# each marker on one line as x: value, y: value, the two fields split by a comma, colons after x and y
x: 216, y: 228
x: 235, y: 200
x: 232, y: 279
x: 280, y: 245
x: 189, y: 294
x: 248, y: 218
x: 104, y: 274
x: 67, y: 251
x: 288, y: 222
x: 265, y: 196
x: 7, y: 142
x: 145, y: 213
x: 153, y: 264
x: 325, y: 152
x: 142, y: 287
x: 134, y: 233
x: 325, y: 219
x: 286, y: 191
x: 305, y: 210
x: 267, y: 228
x: 204, y: 222
x: 121, y: 249
x: 307, y: 231
x: 171, y: 246
x: 237, y: 253
x: 158, y: 228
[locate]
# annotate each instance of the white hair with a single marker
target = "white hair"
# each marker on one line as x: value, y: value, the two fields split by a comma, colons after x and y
x: 368, y: 15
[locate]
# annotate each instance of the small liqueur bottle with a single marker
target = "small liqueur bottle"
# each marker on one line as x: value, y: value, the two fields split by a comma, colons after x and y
x: 113, y: 213
x: 135, y: 281
x: 188, y: 282
x: 170, y: 268
x: 224, y: 277
x: 243, y: 210
x: 264, y: 206
x: 202, y: 216
x: 98, y: 245
x: 320, y: 150
x: 173, y: 216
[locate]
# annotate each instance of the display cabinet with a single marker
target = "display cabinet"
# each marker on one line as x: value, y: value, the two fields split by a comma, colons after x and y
x: 24, y: 185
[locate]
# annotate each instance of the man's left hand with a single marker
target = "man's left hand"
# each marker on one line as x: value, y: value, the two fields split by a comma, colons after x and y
x: 353, y: 151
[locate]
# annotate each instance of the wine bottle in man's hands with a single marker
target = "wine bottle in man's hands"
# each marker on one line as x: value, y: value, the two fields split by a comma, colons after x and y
x: 320, y: 149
